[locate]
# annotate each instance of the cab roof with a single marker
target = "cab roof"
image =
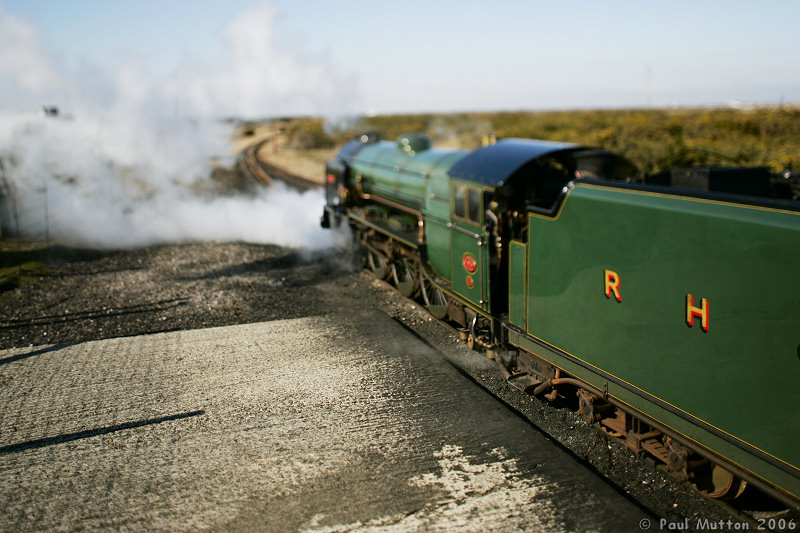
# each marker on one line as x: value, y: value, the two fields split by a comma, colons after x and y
x: 494, y: 164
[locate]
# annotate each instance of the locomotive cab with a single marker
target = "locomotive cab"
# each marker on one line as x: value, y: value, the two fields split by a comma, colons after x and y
x: 532, y: 175
x: 520, y: 176
x: 540, y: 184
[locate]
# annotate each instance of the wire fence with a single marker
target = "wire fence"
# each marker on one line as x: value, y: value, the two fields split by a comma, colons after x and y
x: 23, y: 215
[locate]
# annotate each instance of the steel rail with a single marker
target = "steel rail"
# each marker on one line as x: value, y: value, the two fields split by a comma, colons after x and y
x: 261, y: 172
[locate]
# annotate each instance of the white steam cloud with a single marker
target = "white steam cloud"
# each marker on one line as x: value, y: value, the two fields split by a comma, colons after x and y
x: 129, y: 163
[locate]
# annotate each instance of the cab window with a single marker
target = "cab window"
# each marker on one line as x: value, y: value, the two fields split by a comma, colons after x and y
x: 474, y: 205
x: 467, y: 203
x: 459, y: 205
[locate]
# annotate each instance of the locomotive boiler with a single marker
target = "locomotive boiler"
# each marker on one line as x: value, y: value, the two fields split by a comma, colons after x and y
x: 669, y: 304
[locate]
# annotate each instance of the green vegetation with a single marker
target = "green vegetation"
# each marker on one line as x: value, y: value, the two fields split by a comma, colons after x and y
x: 308, y: 133
x: 21, y: 263
x: 653, y: 139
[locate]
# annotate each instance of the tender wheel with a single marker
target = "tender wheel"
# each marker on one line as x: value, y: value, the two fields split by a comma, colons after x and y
x: 434, y: 298
x: 723, y: 484
x: 377, y: 263
x: 404, y: 275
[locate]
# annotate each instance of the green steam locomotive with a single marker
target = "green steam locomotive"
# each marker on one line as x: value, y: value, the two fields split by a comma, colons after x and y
x: 668, y: 303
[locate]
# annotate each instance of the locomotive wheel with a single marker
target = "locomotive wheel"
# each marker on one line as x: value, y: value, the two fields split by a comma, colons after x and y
x: 434, y: 298
x: 377, y: 263
x: 404, y: 275
x: 724, y: 484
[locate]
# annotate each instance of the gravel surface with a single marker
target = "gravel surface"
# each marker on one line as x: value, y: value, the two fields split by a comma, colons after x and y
x: 95, y: 295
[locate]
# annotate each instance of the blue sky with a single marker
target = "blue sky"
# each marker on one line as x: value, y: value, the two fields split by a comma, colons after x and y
x: 344, y: 57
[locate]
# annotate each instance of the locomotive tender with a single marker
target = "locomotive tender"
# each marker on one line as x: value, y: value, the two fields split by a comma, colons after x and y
x: 670, y: 302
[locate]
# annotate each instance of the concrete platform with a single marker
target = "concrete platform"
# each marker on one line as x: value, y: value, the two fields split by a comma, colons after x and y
x: 313, y: 424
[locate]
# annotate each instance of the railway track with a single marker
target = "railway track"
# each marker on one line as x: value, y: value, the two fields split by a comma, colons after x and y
x: 261, y: 173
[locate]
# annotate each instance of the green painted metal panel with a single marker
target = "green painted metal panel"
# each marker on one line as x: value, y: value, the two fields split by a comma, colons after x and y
x: 722, y: 447
x: 397, y: 175
x: 517, y: 287
x: 437, y: 240
x: 436, y: 214
x: 741, y: 375
x: 470, y: 255
x: 469, y: 264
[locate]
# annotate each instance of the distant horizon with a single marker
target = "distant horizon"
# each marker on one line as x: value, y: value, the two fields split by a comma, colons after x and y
x: 739, y: 106
x: 65, y: 114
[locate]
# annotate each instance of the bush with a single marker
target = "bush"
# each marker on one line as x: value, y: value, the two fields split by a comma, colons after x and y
x: 307, y: 134
x: 654, y: 139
